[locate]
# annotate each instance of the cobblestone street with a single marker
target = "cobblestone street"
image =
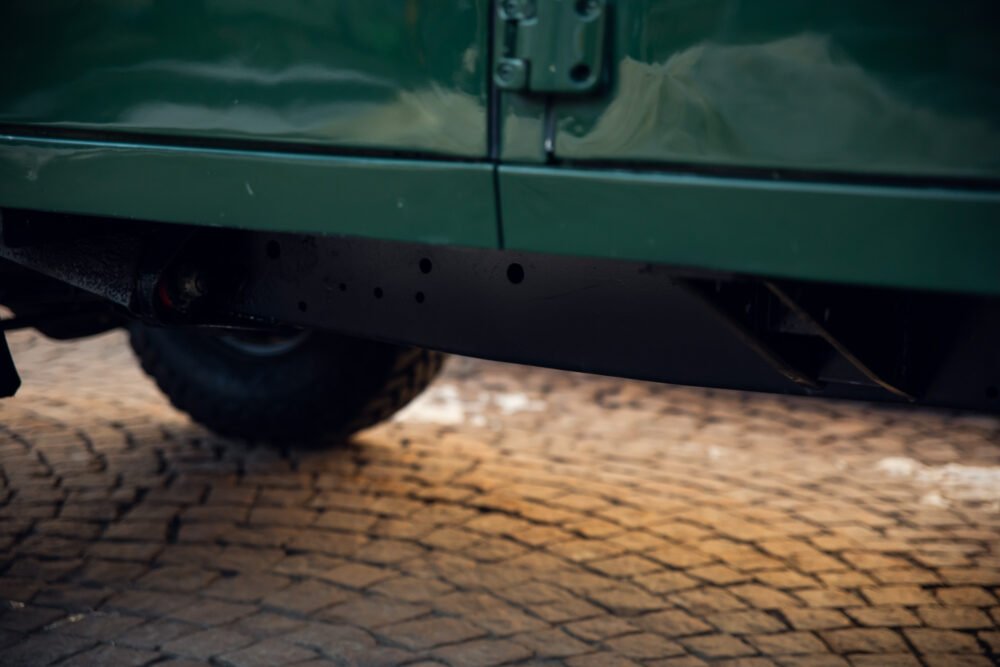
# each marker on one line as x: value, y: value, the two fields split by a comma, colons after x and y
x: 510, y: 516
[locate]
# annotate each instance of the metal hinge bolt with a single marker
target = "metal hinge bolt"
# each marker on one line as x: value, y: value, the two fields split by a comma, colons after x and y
x: 550, y: 46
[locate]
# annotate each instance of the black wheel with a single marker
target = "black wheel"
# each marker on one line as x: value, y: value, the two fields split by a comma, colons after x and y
x: 304, y: 386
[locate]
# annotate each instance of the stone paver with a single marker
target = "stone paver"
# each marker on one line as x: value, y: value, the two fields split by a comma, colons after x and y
x: 512, y: 516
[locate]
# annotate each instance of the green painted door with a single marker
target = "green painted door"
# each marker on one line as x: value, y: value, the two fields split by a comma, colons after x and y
x: 362, y: 117
x: 400, y: 75
x: 856, y: 86
x: 849, y: 141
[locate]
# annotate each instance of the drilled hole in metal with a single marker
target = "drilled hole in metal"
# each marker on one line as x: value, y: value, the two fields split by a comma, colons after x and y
x: 580, y: 72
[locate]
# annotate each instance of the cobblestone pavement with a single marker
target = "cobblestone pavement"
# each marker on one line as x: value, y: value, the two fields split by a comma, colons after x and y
x: 511, y: 516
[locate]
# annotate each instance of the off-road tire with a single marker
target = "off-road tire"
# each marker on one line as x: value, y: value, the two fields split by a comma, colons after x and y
x: 319, y: 391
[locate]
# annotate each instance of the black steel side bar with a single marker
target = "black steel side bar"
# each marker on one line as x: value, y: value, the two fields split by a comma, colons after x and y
x: 600, y: 316
x: 611, y: 317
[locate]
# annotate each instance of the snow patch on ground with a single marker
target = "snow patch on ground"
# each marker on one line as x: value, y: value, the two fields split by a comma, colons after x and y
x: 444, y: 404
x: 899, y: 466
x: 952, y: 481
x: 510, y: 404
x: 440, y: 405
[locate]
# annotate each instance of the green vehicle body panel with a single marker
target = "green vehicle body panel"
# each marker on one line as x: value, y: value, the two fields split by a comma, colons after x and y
x: 399, y: 75
x: 858, y: 86
x: 835, y: 140
x: 876, y: 235
x: 378, y: 198
x: 925, y: 238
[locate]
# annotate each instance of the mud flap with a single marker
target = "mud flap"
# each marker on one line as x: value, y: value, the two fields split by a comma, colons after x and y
x: 9, y: 379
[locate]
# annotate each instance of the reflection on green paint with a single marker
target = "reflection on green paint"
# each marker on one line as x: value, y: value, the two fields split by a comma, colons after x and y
x: 846, y: 85
x: 390, y: 74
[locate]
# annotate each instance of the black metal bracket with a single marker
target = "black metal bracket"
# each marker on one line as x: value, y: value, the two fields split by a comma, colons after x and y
x: 882, y: 369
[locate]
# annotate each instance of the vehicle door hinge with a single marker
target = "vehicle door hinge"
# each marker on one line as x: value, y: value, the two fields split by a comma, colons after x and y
x: 549, y: 46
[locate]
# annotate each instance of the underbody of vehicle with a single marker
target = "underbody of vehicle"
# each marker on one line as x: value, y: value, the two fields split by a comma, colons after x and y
x: 785, y: 197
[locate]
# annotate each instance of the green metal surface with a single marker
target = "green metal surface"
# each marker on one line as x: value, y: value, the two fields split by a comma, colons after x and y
x: 406, y: 200
x: 857, y: 87
x: 889, y: 236
x: 862, y: 86
x: 522, y: 129
x: 399, y: 75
